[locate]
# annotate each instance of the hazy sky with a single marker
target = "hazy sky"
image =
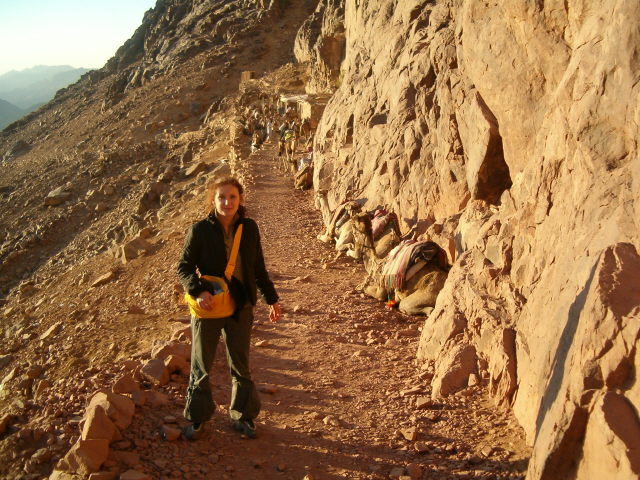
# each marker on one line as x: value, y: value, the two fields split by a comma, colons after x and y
x: 80, y: 33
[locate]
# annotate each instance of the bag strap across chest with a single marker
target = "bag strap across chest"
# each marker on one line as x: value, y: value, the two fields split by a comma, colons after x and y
x: 231, y: 264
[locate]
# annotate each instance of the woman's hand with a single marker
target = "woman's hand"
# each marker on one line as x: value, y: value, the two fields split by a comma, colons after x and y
x: 275, y: 312
x: 204, y: 300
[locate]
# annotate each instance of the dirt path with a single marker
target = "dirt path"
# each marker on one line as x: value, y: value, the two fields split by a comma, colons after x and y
x: 341, y: 395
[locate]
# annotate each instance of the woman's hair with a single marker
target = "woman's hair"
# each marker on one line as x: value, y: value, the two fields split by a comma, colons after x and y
x: 221, y: 182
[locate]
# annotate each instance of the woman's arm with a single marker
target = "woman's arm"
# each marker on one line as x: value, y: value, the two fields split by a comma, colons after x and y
x: 263, y: 281
x: 188, y: 263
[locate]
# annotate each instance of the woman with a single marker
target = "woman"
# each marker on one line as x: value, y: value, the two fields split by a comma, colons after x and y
x: 207, y: 249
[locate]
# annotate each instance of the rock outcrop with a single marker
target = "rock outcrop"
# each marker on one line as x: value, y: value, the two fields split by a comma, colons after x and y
x: 320, y: 43
x: 505, y: 132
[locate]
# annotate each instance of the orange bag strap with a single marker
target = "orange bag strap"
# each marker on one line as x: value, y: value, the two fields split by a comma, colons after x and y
x: 231, y: 264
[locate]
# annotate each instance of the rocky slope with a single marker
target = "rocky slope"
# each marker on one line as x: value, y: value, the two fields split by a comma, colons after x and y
x: 506, y: 132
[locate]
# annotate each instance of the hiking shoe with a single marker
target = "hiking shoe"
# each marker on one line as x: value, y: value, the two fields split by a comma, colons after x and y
x: 190, y: 432
x: 245, y: 427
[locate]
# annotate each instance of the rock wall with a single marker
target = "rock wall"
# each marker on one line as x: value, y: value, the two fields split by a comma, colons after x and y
x: 320, y: 43
x: 508, y: 132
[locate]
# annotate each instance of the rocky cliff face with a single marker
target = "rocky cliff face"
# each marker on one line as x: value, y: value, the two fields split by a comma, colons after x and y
x: 508, y: 133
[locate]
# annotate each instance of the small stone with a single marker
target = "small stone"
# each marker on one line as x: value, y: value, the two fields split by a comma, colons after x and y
x: 486, y: 451
x: 331, y: 420
x: 57, y: 197
x: 281, y: 467
x: 103, y: 476
x: 156, y: 399
x: 473, y: 380
x: 43, y: 455
x: 434, y: 417
x: 411, y: 391
x: 423, y: 402
x: 421, y: 447
x: 5, y: 420
x: 170, y: 433
x: 128, y: 459
x: 103, y: 279
x: 139, y: 398
x: 195, y: 169
x: 34, y: 371
x: 10, y: 376
x: 268, y: 389
x: 414, y: 470
x: 410, y: 433
x: 262, y: 343
x: 51, y: 331
x: 155, y: 371
x: 396, y: 472
x: 135, y: 475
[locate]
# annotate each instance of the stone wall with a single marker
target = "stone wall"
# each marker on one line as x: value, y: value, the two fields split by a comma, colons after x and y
x: 507, y: 131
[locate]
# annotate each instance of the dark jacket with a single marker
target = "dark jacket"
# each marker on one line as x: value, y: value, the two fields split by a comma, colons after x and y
x: 204, y: 248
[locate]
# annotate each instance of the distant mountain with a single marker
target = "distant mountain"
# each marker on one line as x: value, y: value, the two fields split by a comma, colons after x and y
x: 35, y: 86
x: 9, y: 113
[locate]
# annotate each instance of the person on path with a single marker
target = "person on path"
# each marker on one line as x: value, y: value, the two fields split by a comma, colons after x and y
x: 206, y: 249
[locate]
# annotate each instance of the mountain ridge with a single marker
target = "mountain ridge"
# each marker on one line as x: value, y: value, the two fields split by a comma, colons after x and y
x: 37, y: 85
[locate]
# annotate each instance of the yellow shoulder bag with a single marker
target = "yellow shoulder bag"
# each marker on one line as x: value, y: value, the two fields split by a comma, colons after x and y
x: 223, y: 304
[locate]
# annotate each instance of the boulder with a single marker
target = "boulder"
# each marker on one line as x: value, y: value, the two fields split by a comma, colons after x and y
x: 155, y: 371
x: 177, y: 348
x: 119, y: 408
x: 176, y: 363
x: 98, y: 425
x: 453, y: 370
x: 611, y: 447
x: 85, y: 456
x: 125, y: 384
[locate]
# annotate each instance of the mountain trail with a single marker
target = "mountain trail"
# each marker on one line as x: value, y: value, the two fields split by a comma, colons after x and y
x: 340, y: 395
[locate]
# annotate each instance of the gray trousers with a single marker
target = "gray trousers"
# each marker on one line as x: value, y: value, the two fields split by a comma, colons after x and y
x: 236, y: 332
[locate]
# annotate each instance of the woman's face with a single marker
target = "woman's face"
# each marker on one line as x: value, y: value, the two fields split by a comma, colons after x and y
x: 227, y: 200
